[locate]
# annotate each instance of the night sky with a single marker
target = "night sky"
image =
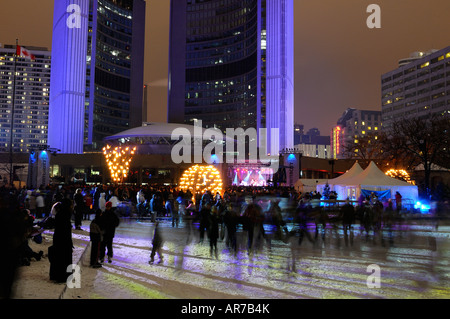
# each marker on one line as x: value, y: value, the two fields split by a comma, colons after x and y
x: 338, y: 59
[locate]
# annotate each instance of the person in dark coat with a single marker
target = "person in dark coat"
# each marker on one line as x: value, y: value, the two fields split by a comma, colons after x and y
x: 109, y: 222
x: 80, y: 207
x: 60, y: 254
x: 96, y: 199
x: 252, y: 220
x: 157, y: 243
x: 96, y: 236
x: 231, y: 221
x: 348, y: 219
x: 14, y: 233
x: 213, y: 231
x: 302, y: 217
x: 204, y: 220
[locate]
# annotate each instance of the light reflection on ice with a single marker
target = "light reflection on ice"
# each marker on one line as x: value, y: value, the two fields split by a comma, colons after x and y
x: 321, y: 271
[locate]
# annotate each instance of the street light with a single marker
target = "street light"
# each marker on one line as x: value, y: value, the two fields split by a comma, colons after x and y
x: 332, y: 162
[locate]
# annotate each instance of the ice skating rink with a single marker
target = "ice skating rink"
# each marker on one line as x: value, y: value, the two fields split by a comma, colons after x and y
x: 415, y: 265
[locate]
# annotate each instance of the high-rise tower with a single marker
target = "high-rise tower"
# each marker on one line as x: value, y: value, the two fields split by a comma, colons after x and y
x: 231, y: 66
x: 29, y: 91
x: 97, y: 78
x: 68, y: 77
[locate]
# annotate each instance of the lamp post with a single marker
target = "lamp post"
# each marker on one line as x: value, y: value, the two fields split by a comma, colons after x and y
x: 332, y: 162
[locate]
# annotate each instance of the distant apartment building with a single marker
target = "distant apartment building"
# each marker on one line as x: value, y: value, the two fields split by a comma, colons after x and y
x: 351, y: 126
x: 29, y: 91
x: 419, y: 87
x: 311, y: 143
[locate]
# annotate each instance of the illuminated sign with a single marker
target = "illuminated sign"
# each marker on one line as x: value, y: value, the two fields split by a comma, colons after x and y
x: 336, y: 141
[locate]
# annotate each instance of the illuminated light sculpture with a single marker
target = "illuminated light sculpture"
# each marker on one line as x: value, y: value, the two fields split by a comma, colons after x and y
x: 118, y: 160
x: 198, y: 179
x: 400, y: 174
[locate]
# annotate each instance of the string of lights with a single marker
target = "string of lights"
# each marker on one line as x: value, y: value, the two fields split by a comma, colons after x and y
x: 118, y: 160
x: 400, y: 174
x: 198, y: 179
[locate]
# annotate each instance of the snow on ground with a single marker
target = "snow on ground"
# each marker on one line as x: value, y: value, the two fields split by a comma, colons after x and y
x: 412, y: 268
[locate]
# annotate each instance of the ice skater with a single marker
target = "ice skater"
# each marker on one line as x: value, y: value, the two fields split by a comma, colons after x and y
x: 213, y: 232
x: 157, y: 243
x: 109, y: 221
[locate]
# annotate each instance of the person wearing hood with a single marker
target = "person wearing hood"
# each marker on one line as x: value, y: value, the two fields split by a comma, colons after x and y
x: 60, y: 253
x: 108, y: 222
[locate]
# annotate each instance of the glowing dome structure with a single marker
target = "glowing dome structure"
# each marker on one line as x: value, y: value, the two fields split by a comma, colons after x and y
x: 200, y: 178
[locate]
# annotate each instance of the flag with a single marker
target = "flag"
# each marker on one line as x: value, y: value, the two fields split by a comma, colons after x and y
x: 21, y: 51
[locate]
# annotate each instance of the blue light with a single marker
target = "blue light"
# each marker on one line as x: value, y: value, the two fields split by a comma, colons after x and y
x: 32, y: 158
x: 424, y: 208
x: 43, y: 154
x: 214, y: 159
x: 291, y: 158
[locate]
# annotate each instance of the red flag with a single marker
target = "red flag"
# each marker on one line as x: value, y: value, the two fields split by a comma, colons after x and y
x: 21, y: 51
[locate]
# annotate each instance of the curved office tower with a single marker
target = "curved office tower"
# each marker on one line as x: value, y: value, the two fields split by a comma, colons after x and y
x: 218, y: 57
x: 97, y: 73
x: 115, y: 68
x: 68, y: 77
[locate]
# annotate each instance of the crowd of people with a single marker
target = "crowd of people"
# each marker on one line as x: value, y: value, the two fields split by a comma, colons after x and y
x: 213, y: 216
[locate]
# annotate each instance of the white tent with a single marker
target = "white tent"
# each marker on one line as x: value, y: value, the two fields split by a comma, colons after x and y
x: 373, y: 179
x: 336, y: 183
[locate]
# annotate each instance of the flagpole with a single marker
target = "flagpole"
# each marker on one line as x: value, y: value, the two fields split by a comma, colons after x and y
x: 11, y: 173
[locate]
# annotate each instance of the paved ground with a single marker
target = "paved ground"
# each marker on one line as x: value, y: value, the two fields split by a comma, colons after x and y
x: 416, y: 265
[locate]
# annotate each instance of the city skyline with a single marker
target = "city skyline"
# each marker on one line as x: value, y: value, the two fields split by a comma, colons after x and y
x: 338, y: 59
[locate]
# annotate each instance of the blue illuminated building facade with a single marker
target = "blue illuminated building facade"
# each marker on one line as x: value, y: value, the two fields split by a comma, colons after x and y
x: 231, y: 66
x: 97, y: 75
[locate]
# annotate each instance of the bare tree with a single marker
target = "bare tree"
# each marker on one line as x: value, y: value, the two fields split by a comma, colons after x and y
x: 420, y: 141
x: 369, y: 147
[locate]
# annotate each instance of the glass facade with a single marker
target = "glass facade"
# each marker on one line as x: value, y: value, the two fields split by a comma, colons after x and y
x: 231, y: 66
x: 222, y: 75
x: 110, y: 95
x: 102, y: 93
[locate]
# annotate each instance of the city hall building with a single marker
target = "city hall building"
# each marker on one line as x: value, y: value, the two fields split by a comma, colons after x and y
x: 231, y: 65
